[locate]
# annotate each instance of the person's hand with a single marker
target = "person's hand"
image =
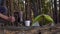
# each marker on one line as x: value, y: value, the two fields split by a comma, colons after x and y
x: 11, y: 19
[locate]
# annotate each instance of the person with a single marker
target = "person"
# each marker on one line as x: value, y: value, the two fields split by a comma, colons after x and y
x: 3, y: 13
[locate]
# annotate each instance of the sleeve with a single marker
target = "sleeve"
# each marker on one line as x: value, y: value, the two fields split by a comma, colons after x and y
x: 3, y: 10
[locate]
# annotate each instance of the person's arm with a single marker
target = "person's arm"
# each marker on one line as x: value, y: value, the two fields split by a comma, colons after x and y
x: 11, y: 19
x: 3, y: 16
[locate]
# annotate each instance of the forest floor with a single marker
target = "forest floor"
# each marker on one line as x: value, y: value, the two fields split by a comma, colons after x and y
x: 31, y: 30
